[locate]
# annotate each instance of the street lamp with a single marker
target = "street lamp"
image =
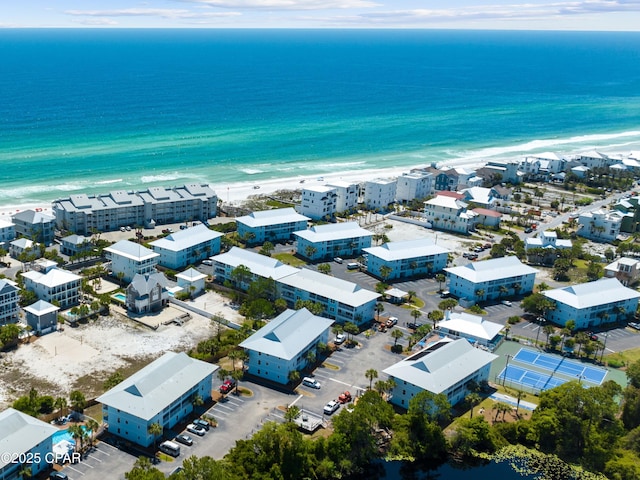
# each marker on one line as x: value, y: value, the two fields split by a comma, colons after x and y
x: 504, y: 376
x: 540, y: 322
x: 604, y: 346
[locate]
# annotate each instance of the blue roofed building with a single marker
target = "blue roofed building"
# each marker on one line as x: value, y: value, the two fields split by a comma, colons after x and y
x: 345, y: 239
x: 270, y: 225
x: 260, y: 266
x: 187, y: 247
x: 406, y: 259
x: 282, y: 345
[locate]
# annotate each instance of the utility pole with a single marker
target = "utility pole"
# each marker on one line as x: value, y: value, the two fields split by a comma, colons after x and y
x: 604, y: 346
x: 504, y: 377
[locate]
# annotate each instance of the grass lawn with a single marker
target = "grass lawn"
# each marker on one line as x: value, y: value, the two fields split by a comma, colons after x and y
x: 289, y: 259
x: 627, y: 356
x: 415, y: 303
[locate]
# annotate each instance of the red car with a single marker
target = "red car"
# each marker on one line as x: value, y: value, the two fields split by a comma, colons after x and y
x: 344, y: 397
x: 227, y: 386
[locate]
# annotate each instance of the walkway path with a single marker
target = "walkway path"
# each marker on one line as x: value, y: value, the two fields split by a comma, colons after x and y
x: 501, y: 397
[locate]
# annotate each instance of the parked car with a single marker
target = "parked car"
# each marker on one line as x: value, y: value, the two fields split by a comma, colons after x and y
x: 331, y: 407
x: 122, y: 229
x: 338, y: 260
x: 340, y: 338
x: 345, y: 397
x: 635, y: 326
x: 311, y: 382
x: 414, y: 326
x: 592, y: 336
x: 506, y: 302
x: 58, y: 476
x: 196, y: 429
x: 184, y: 439
x: 391, y: 322
x: 207, y: 262
x: 202, y: 423
x: 227, y: 386
x: 528, y: 230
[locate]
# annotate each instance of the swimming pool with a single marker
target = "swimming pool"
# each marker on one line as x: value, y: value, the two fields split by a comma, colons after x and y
x: 120, y: 297
x: 64, y: 435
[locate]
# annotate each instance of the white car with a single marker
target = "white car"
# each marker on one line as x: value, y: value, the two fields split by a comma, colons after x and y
x: 506, y: 302
x: 331, y: 407
x: 340, y: 338
x: 311, y: 382
x: 197, y: 429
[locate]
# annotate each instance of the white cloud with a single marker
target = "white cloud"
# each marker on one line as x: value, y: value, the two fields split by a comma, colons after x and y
x: 96, y: 22
x: 287, y: 4
x: 151, y: 12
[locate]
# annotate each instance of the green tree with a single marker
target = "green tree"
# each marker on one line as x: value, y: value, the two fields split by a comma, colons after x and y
x: 324, y: 268
x: 448, y: 304
x: 538, y: 304
x: 240, y: 276
x: 379, y: 309
x: 416, y: 314
x: 385, y: 271
x: 397, y: 335
x: 267, y: 249
x: 143, y: 470
x: 371, y: 374
x: 435, y: 316
x: 440, y: 278
x: 472, y: 400
x: 155, y: 430
x: 78, y: 401
x: 114, y: 379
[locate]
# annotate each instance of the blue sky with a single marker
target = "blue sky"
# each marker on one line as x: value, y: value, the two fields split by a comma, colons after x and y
x: 465, y: 14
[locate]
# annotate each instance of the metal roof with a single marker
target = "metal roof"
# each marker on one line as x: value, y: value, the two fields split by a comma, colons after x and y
x: 591, y: 294
x: 20, y: 432
x: 422, y: 247
x: 493, y: 269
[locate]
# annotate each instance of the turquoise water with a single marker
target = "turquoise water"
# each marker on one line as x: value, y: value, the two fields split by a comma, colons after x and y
x: 92, y: 110
x: 120, y: 296
x: 61, y: 435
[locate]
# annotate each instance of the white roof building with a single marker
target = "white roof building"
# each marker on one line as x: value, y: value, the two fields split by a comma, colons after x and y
x: 485, y: 197
x: 319, y: 202
x: 547, y: 239
x: 188, y: 246
x: 421, y: 247
x: 380, y: 193
x: 472, y: 327
x: 333, y: 231
x: 625, y: 269
x: 55, y: 285
x: 444, y: 367
x: 272, y: 225
x: 130, y: 258
x: 346, y: 195
x: 259, y: 265
x: 270, y: 217
x: 333, y: 240
x: 406, y: 259
x: 414, y: 185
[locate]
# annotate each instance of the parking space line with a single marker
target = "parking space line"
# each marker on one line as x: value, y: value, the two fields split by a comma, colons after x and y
x: 228, y: 408
x: 74, y: 469
x: 106, y: 445
x: 95, y: 458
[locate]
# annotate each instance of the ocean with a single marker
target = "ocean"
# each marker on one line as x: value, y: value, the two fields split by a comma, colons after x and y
x: 92, y: 110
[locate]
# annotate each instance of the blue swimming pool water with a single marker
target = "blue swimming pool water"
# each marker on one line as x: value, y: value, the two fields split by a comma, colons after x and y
x: 61, y: 435
x: 120, y: 296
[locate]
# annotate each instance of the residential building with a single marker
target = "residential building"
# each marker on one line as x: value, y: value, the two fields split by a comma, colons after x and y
x: 495, y: 172
x: 345, y: 239
x: 544, y: 248
x: 129, y: 258
x: 380, y: 193
x: 274, y: 226
x: 442, y: 182
x: 592, y: 304
x: 448, y: 213
x: 24, y: 437
x: 410, y: 258
x: 464, y: 177
x: 580, y: 171
x: 72, y: 245
x: 286, y: 344
x: 475, y: 329
x: 35, y: 225
x: 163, y: 392
x: 42, y: 317
x: 342, y: 301
x: 601, y: 225
x: 9, y: 298
x: 541, y: 166
x: 191, y: 281
x: 482, y: 197
x: 318, y: 202
x: 259, y: 266
x: 594, y: 159
x: 7, y: 233
x: 147, y: 292
x: 54, y: 285
x: 626, y: 270
x: 630, y: 206
x: 414, y: 185
x: 490, y: 280
x: 81, y: 213
x: 187, y: 247
x: 23, y: 245
x: 346, y: 195
x: 447, y: 367
x: 486, y: 217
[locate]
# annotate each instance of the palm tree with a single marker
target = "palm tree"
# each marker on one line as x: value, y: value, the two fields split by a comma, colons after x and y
x: 60, y: 404
x: 397, y: 335
x: 155, y: 430
x: 371, y: 374
x: 93, y: 426
x: 472, y: 400
x: 548, y: 330
x: 292, y: 413
x: 294, y: 376
x: 416, y: 314
x: 385, y: 272
x: 440, y: 278
x: 310, y: 357
x: 480, y: 293
x: 77, y: 432
x: 379, y: 310
x: 519, y: 396
x: 410, y: 295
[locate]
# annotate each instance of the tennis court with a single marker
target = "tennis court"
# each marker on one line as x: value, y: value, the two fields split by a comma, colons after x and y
x: 535, y: 380
x: 555, y: 364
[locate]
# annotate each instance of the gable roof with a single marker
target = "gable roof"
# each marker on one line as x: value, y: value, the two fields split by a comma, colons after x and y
x: 591, y: 294
x: 41, y: 308
x: 272, y: 217
x: 32, y: 217
x: 259, y: 265
x: 486, y: 212
x: 186, y: 238
x: 20, y: 432
x: 446, y: 201
x: 131, y: 250
x: 330, y: 287
x: 333, y: 231
x: 493, y: 269
x: 472, y: 325
x: 191, y: 275
x: 53, y: 278
x: 288, y: 334
x: 143, y: 284
x: 147, y: 392
x: 441, y: 365
x: 422, y: 247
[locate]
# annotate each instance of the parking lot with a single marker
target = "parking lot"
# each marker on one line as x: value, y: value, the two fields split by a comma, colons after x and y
x: 101, y: 459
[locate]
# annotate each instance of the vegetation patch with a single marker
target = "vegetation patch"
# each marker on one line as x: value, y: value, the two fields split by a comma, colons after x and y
x: 289, y: 259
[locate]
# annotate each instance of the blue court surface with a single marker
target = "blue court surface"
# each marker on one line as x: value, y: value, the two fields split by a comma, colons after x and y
x: 535, y: 380
x: 569, y: 368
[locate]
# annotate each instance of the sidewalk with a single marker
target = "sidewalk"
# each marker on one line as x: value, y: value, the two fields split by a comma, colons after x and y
x: 501, y: 397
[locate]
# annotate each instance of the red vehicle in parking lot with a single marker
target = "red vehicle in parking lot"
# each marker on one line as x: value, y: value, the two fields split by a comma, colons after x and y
x: 227, y: 386
x: 345, y: 397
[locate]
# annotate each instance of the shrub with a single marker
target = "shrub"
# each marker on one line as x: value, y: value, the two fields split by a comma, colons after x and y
x: 396, y: 348
x: 615, y: 362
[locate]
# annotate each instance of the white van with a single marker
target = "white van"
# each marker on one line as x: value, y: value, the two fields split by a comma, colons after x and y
x: 170, y: 448
x: 310, y: 382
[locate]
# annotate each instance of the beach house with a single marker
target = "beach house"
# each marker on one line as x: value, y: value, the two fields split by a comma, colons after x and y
x: 35, y: 225
x: 147, y: 292
x: 447, y: 212
x: 23, y: 245
x: 626, y: 270
x: 187, y: 247
x: 275, y: 225
x: 9, y: 298
x: 409, y: 258
x: 490, y: 280
x: 129, y: 258
x: 319, y: 202
x: 191, y: 281
x: 342, y: 301
x: 380, y: 193
x: 592, y: 304
x: 24, y: 437
x: 163, y: 392
x: 595, y: 159
x: 225, y: 267
x: 544, y: 248
x: 413, y: 185
x: 475, y: 329
x: 7, y: 233
x: 54, y: 285
x: 346, y: 239
x: 447, y: 367
x: 481, y: 197
x: 286, y: 344
x: 601, y: 225
x: 346, y: 195
x: 486, y: 217
x: 42, y: 317
x: 74, y: 245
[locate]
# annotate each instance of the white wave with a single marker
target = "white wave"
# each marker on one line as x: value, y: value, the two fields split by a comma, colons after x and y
x: 166, y: 177
x: 251, y: 171
x: 106, y: 182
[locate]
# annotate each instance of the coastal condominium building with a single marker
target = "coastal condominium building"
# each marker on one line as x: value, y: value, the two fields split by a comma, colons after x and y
x: 447, y: 212
x: 270, y: 225
x: 24, y: 437
x: 319, y: 202
x: 54, y: 285
x: 83, y: 213
x: 129, y: 258
x: 9, y: 298
x: 346, y: 195
x: 446, y: 367
x: 490, y: 279
x: 163, y: 392
x: 35, y: 225
x: 282, y: 345
x: 595, y: 159
x: 414, y: 185
x: 346, y: 239
x: 259, y: 266
x: 396, y: 260
x: 7, y: 233
x: 380, y: 193
x: 625, y: 269
x: 186, y: 247
x: 593, y: 303
x: 601, y: 225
